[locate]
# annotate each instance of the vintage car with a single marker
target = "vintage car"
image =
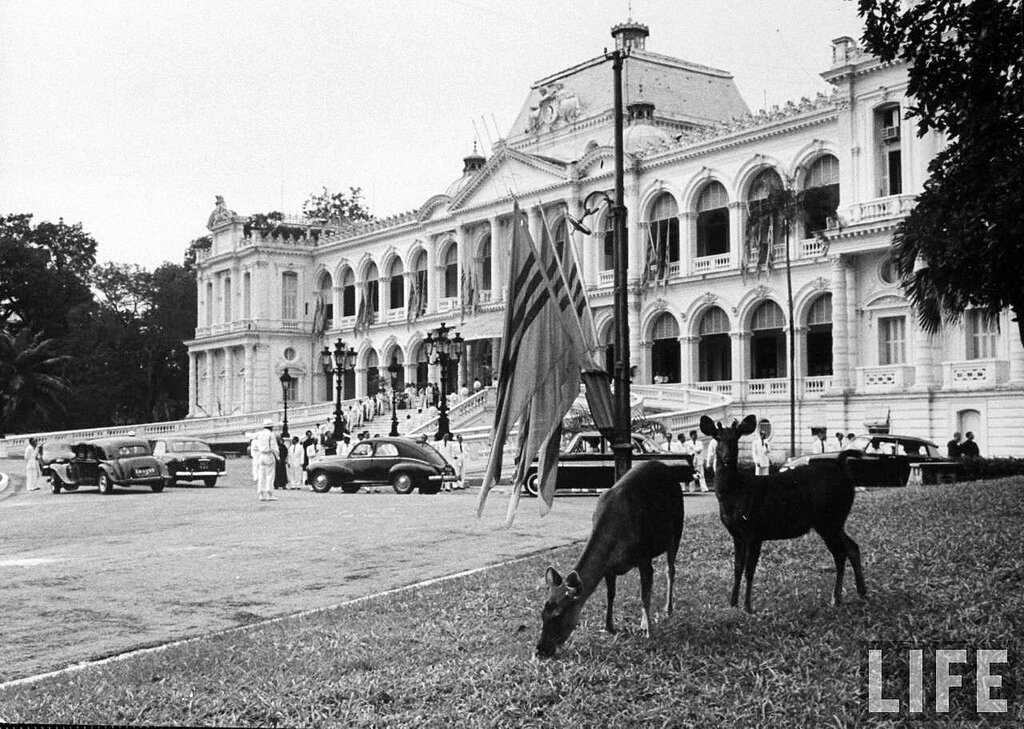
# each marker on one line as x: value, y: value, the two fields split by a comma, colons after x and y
x: 404, y: 463
x: 587, y: 463
x: 188, y: 459
x: 108, y: 462
x: 50, y: 451
x: 881, y: 459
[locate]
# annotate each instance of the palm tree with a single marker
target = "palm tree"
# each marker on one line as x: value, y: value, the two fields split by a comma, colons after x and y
x: 31, y: 387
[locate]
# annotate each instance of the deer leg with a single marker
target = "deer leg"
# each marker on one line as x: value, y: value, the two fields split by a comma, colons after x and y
x: 837, y: 546
x: 609, y: 582
x: 753, y: 555
x: 646, y: 583
x: 671, y: 560
x: 853, y: 552
x: 739, y: 558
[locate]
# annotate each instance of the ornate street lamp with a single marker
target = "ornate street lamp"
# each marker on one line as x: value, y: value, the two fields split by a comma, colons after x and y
x: 339, y: 362
x: 394, y: 369
x: 444, y: 350
x: 286, y: 380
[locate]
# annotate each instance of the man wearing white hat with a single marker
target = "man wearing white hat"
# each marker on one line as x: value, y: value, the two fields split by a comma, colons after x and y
x: 265, y: 447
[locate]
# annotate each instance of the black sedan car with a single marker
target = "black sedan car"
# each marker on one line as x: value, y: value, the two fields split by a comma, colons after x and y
x: 881, y: 459
x: 105, y: 463
x: 588, y: 464
x: 188, y: 459
x: 51, y: 451
x: 404, y: 463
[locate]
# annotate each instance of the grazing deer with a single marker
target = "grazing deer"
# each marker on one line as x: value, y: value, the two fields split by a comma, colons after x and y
x: 781, y: 506
x: 636, y: 520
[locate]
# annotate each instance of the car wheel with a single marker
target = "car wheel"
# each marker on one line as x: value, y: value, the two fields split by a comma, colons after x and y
x: 55, y: 484
x: 105, y: 484
x: 321, y: 482
x: 210, y: 481
x: 532, y: 487
x: 157, y: 487
x: 402, y: 483
x: 350, y: 488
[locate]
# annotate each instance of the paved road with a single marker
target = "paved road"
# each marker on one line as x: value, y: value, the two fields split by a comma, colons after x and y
x: 87, y: 575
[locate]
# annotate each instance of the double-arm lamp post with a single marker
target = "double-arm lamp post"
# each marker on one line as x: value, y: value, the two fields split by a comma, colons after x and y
x: 443, y: 349
x: 339, y: 362
x: 394, y: 369
x: 286, y: 380
x: 621, y: 443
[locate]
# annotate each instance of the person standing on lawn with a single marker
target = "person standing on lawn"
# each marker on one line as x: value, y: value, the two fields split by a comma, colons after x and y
x: 266, y: 450
x: 953, y: 450
x: 761, y: 452
x: 32, y: 474
x: 969, y: 449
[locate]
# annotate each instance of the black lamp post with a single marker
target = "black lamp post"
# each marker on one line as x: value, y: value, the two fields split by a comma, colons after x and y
x: 339, y: 362
x: 445, y: 350
x: 394, y: 369
x: 286, y: 380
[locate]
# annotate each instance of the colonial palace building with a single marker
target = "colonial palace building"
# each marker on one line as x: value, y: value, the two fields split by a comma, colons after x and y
x: 709, y: 318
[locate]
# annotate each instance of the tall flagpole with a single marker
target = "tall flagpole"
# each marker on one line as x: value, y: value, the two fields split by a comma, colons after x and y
x: 622, y: 447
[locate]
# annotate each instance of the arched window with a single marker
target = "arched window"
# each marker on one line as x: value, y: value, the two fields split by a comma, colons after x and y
x: 348, y: 293
x: 373, y: 288
x: 714, y: 347
x: 767, y: 342
x: 396, y: 287
x: 485, y: 264
x: 821, y: 193
x: 451, y: 271
x: 664, y: 227
x: 819, y: 337
x: 713, y: 220
x: 665, y: 349
x: 560, y: 235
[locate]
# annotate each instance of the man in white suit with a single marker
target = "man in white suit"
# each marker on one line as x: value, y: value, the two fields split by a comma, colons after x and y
x: 266, y: 453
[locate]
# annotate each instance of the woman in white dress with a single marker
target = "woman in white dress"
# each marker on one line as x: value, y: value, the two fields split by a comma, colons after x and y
x: 32, y: 473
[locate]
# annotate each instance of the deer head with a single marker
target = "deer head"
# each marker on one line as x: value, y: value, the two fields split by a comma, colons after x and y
x: 561, y: 611
x: 727, y: 451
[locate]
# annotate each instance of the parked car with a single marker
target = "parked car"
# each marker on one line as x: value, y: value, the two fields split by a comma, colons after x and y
x: 105, y: 463
x: 50, y: 451
x: 882, y: 459
x: 188, y: 459
x: 587, y: 463
x: 404, y: 463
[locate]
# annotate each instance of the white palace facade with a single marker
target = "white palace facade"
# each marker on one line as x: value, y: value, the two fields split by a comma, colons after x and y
x: 695, y: 161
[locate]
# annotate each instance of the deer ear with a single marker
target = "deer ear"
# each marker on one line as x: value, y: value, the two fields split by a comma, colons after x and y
x: 707, y: 426
x: 552, y: 577
x: 572, y: 583
x: 748, y: 426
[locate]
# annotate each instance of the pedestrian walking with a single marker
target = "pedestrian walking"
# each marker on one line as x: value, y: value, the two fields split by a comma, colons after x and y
x: 266, y: 450
x: 32, y: 474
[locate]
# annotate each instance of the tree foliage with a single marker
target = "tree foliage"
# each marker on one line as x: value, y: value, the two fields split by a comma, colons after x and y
x: 336, y: 208
x: 965, y: 236
x: 32, y: 388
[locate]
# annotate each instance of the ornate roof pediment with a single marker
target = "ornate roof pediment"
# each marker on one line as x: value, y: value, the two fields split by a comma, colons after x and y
x: 509, y: 173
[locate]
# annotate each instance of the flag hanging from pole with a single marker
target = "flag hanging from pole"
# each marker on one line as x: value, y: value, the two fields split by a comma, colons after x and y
x: 538, y: 377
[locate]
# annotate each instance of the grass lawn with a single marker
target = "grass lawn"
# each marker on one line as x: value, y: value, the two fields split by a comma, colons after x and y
x: 944, y: 566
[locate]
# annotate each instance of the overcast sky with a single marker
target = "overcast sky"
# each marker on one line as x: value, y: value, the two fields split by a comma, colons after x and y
x: 129, y: 117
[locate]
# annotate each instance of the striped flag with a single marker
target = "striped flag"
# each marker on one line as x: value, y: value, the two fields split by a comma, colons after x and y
x: 538, y: 377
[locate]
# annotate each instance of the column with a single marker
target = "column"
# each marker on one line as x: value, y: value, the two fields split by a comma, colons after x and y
x: 634, y: 240
x: 384, y: 290
x: 432, y: 279
x: 463, y: 369
x: 840, y: 326
x: 193, y: 383
x: 211, y: 380
x: 464, y: 259
x: 495, y: 359
x: 687, y: 242
x: 924, y: 359
x: 645, y: 365
x: 250, y: 378
x: 852, y: 325
x: 536, y: 225
x: 736, y: 238
x: 799, y: 353
x: 497, y: 255
x: 687, y: 345
x: 1015, y: 350
x: 740, y: 345
x: 636, y: 358
x: 229, y: 380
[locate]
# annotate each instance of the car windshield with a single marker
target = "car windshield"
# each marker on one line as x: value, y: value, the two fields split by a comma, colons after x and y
x: 129, y: 450
x: 185, y: 446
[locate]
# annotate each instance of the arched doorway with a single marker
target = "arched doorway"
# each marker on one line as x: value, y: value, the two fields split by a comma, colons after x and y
x: 419, y: 356
x: 767, y: 342
x: 665, y: 349
x: 819, y: 337
x: 714, y: 347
